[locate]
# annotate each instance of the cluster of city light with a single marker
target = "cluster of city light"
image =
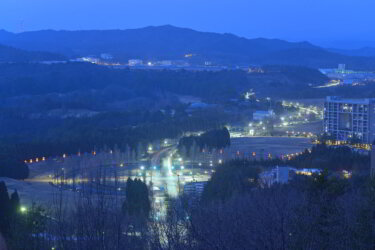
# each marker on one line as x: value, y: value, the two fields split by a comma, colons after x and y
x: 36, y: 160
x: 308, y: 173
x: 39, y: 159
x: 304, y: 134
x: 293, y: 155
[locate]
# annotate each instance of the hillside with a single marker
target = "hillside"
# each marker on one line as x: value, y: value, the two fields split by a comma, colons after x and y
x: 168, y: 42
x: 9, y: 54
x: 36, y: 79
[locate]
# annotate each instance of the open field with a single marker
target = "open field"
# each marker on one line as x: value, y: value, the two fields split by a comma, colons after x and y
x: 263, y: 146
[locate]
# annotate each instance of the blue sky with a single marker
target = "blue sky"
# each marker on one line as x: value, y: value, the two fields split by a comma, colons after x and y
x: 320, y: 21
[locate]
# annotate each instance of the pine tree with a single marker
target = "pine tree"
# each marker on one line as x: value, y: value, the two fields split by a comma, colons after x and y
x: 14, y: 202
x: 4, y: 208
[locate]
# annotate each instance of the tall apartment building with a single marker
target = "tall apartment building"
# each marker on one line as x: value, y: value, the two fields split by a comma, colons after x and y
x: 372, y: 155
x: 346, y: 118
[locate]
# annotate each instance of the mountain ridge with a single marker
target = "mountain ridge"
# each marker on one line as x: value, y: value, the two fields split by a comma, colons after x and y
x: 168, y: 42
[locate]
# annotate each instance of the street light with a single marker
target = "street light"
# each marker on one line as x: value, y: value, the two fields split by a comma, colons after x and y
x: 23, y: 209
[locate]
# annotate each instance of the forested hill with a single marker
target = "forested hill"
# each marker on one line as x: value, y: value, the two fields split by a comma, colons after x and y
x: 40, y: 79
x: 168, y: 42
x: 9, y: 54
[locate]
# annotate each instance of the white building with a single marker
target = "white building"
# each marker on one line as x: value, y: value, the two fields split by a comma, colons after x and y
x: 348, y: 118
x: 341, y: 67
x: 276, y: 175
x: 282, y: 175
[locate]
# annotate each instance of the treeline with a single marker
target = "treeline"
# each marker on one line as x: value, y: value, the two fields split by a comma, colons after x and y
x: 321, y: 212
x: 35, y: 79
x: 137, y: 200
x: 32, y: 227
x: 332, y: 158
x: 96, y: 133
x: 212, y: 139
x: 311, y: 212
x: 9, y: 209
x: 13, y: 168
x: 233, y: 178
x: 240, y: 176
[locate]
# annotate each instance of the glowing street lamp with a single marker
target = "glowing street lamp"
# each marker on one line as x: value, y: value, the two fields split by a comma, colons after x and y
x: 23, y: 209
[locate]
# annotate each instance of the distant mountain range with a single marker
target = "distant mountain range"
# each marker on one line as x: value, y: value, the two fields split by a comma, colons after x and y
x: 173, y: 43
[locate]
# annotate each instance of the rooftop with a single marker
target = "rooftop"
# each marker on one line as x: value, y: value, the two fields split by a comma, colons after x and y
x: 338, y: 99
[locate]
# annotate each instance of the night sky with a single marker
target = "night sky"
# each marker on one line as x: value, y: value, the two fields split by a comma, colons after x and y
x: 349, y: 23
